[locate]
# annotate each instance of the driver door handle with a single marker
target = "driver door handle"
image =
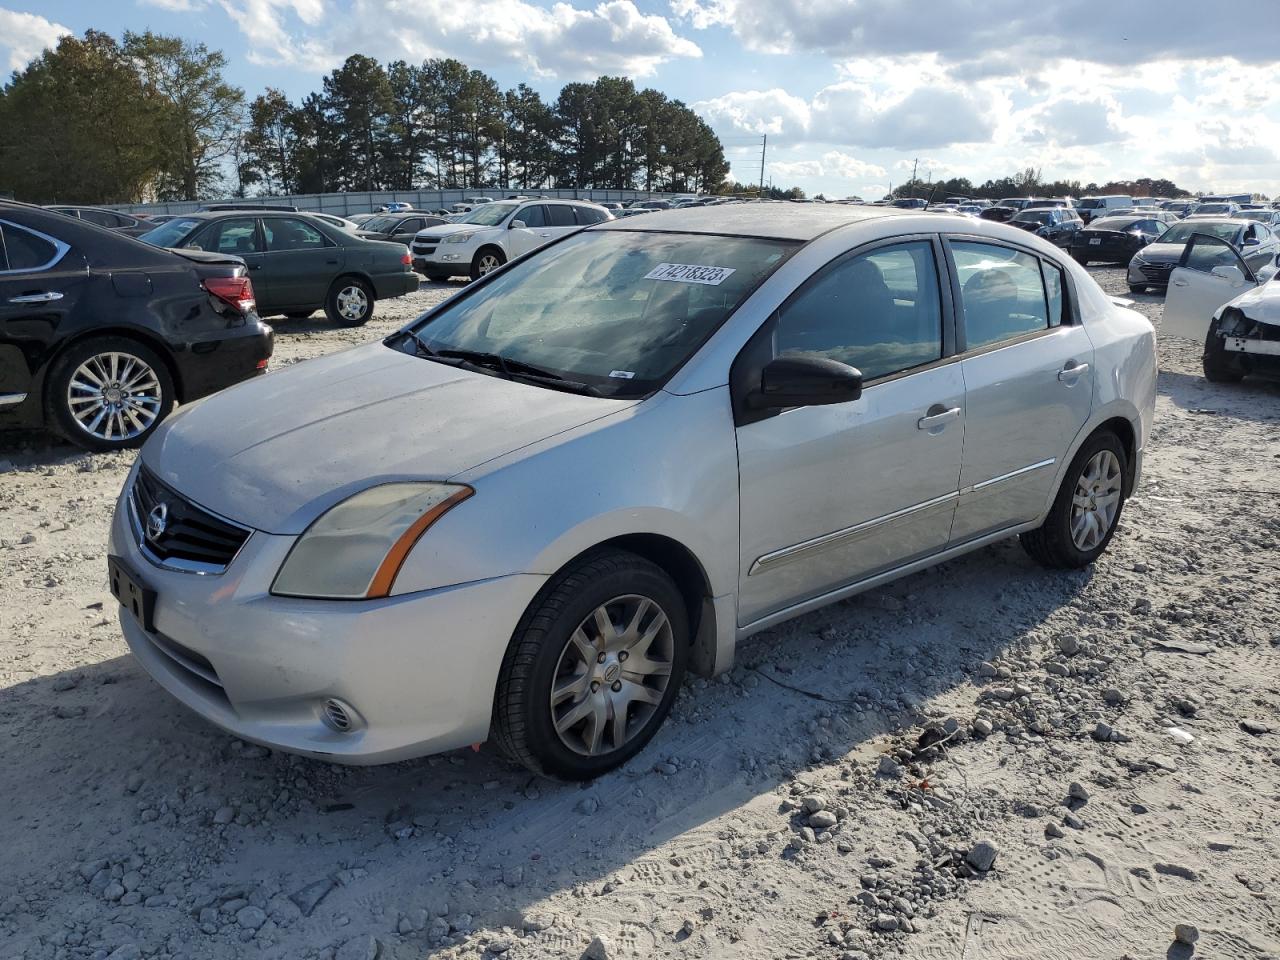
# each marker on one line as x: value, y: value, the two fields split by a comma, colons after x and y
x: 934, y: 420
x: 544, y: 234
x: 47, y: 297
x: 1073, y: 373
x: 1180, y: 282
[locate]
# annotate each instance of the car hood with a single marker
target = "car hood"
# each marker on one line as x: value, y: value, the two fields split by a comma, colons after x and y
x: 274, y: 452
x: 1162, y: 252
x: 1261, y: 304
x: 444, y: 229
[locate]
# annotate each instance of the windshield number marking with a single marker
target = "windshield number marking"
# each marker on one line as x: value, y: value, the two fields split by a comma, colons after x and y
x: 690, y: 273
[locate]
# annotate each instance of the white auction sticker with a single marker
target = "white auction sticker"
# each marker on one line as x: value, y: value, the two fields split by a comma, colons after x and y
x: 689, y: 273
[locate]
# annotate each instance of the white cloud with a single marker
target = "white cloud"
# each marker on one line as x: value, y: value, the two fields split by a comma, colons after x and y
x: 1072, y: 122
x: 24, y: 36
x: 176, y: 6
x: 754, y: 112
x: 275, y: 30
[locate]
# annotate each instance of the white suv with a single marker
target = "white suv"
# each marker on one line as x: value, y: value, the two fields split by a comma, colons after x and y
x: 493, y: 233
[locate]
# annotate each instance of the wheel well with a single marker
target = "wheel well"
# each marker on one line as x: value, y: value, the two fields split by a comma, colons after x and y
x: 1123, y: 430
x: 683, y: 567
x: 495, y: 248
x: 354, y: 276
x: 162, y: 350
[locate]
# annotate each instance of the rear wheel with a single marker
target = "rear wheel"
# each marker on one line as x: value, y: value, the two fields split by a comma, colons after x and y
x: 593, y: 667
x: 487, y: 260
x: 350, y: 302
x: 108, y: 393
x: 1087, y: 509
x: 1137, y: 288
x: 1220, y: 366
x: 1081, y: 259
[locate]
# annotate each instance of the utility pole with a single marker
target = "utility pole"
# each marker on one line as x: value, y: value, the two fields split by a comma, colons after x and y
x: 764, y: 142
x: 914, y: 163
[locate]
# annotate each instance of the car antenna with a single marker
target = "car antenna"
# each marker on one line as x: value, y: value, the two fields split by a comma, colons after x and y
x: 931, y: 195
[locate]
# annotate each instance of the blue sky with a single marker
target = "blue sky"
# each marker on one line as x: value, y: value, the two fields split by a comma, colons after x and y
x: 850, y: 92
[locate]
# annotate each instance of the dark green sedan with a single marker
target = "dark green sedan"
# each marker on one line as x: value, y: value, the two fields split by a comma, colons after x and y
x: 298, y: 263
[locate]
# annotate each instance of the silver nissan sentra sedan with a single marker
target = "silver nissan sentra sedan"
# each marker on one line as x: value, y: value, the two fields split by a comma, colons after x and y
x: 524, y: 516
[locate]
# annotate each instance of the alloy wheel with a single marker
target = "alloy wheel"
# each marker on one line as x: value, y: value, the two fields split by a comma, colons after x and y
x: 114, y: 396
x: 352, y: 303
x: 488, y: 263
x: 1096, y: 500
x: 612, y: 675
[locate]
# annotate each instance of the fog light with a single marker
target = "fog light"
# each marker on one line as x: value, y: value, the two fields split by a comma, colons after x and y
x: 338, y: 716
x: 450, y: 256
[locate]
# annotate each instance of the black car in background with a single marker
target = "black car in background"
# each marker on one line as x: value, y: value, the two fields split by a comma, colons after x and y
x: 998, y: 214
x: 398, y: 227
x: 125, y: 223
x: 298, y: 262
x: 100, y: 335
x: 1115, y: 239
x: 1056, y: 224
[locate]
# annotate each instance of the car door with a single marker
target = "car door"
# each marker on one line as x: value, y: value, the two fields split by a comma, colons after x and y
x: 41, y: 282
x: 1260, y: 246
x: 1028, y: 374
x: 300, y: 262
x: 240, y: 237
x: 834, y: 494
x: 534, y: 233
x: 1210, y: 273
x: 407, y: 229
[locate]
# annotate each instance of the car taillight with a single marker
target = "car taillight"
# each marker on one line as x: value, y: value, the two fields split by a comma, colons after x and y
x: 406, y: 260
x: 236, y: 292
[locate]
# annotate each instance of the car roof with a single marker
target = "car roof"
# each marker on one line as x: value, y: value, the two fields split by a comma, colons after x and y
x: 776, y: 222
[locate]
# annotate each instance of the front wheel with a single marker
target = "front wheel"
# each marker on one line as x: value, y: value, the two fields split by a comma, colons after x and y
x: 108, y: 393
x: 487, y: 260
x: 593, y: 667
x: 1081, y: 259
x: 1220, y: 366
x: 1087, y: 509
x: 1137, y: 288
x: 349, y: 302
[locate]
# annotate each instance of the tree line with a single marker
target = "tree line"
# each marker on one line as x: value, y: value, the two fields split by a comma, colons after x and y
x: 1030, y: 183
x: 96, y: 120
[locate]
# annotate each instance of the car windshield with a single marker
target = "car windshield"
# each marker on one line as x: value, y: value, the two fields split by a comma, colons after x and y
x: 379, y: 224
x: 1214, y: 208
x: 1115, y: 223
x: 1181, y: 232
x: 1034, y: 216
x: 619, y: 310
x: 170, y: 234
x: 487, y: 214
x: 1262, y: 215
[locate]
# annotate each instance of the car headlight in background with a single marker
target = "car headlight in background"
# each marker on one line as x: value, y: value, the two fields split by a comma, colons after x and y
x: 458, y: 237
x: 356, y: 548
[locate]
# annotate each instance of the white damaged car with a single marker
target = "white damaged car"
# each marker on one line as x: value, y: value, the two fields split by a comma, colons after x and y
x: 1215, y: 298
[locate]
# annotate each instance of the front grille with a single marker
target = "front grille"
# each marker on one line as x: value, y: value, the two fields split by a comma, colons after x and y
x: 423, y: 249
x: 1158, y: 272
x: 190, y: 538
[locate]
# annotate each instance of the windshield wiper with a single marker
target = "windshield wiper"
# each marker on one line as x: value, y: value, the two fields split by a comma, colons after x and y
x: 508, y: 367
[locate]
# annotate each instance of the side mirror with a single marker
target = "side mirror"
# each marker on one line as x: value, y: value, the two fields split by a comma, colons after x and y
x: 806, y: 382
x: 1250, y: 241
x: 517, y: 225
x: 192, y: 246
x: 1229, y: 272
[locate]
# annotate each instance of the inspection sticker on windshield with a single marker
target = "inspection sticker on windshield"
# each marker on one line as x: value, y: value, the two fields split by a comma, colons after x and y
x: 689, y: 273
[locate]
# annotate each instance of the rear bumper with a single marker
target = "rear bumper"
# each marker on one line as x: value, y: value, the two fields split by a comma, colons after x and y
x: 208, y: 366
x: 388, y: 285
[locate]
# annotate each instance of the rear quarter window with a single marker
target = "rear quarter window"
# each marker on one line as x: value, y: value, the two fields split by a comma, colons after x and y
x: 23, y: 250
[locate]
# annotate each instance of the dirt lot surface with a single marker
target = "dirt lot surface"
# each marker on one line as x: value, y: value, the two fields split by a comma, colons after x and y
x: 1106, y: 742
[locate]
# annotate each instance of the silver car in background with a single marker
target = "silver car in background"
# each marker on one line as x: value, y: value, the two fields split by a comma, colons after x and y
x: 524, y: 516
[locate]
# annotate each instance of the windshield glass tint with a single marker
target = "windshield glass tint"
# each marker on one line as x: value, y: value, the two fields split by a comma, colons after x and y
x: 1181, y: 233
x: 1037, y: 216
x: 169, y: 234
x: 1114, y: 223
x: 379, y: 224
x: 1089, y: 203
x: 620, y: 311
x: 487, y: 214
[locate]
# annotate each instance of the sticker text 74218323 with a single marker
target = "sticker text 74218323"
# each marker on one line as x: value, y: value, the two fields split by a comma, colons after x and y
x: 689, y: 273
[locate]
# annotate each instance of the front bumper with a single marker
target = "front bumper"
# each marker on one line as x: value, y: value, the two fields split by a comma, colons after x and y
x: 1153, y: 273
x: 419, y: 670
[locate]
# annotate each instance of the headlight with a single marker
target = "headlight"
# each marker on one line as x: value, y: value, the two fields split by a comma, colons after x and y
x: 458, y: 237
x: 356, y: 548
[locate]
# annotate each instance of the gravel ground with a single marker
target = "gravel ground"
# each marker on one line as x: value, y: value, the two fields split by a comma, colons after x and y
x: 986, y: 760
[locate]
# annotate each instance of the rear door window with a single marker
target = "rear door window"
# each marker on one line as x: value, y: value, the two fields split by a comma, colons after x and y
x: 285, y: 233
x: 589, y: 215
x: 1002, y: 293
x: 236, y: 236
x: 21, y: 251
x: 100, y: 217
x: 560, y: 215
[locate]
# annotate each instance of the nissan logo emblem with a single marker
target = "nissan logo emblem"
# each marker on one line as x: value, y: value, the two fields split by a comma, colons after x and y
x: 157, y: 520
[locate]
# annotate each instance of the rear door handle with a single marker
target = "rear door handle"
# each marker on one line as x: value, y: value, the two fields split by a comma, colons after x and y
x: 47, y: 297
x: 1073, y: 373
x: 934, y: 420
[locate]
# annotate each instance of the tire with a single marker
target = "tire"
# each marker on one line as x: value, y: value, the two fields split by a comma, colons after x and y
x: 126, y: 382
x: 1219, y: 365
x: 349, y: 302
x: 436, y: 277
x: 299, y: 314
x: 1137, y: 288
x: 1080, y: 259
x: 543, y: 654
x: 487, y: 260
x: 1052, y: 544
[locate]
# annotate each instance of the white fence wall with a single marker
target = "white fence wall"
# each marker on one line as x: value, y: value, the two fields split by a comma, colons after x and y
x: 345, y: 204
